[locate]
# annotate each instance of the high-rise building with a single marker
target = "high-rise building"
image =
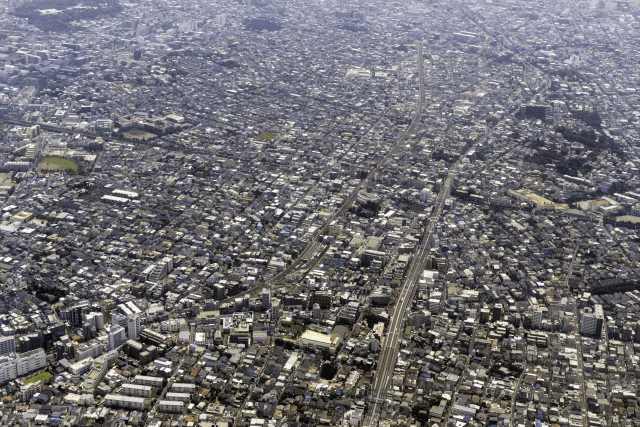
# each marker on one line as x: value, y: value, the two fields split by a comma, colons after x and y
x: 29, y: 342
x: 220, y: 19
x: 636, y: 338
x: 539, y: 112
x: 133, y: 326
x: 117, y: 337
x: 274, y: 314
x: 434, y: 305
x: 246, y: 301
x: 497, y: 312
x: 322, y: 298
x: 219, y: 291
x: 7, y: 345
x: 266, y: 298
x: 592, y: 321
x: 316, y: 312
x: 88, y: 331
x: 17, y: 365
x: 349, y: 313
x: 86, y: 350
x: 536, y: 318
x: 119, y: 319
x: 75, y: 314
x: 96, y: 319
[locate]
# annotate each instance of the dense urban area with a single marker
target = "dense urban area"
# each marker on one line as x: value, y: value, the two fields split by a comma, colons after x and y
x: 268, y: 213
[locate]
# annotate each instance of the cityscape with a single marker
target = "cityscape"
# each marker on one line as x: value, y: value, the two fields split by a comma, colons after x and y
x: 270, y: 213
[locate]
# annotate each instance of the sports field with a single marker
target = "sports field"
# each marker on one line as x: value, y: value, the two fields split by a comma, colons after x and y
x: 268, y: 136
x: 61, y: 163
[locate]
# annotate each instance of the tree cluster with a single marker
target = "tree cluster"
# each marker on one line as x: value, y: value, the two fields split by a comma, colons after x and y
x: 67, y: 12
x: 369, y: 209
x: 570, y: 75
x: 328, y: 371
x: 591, y: 118
x: 50, y: 294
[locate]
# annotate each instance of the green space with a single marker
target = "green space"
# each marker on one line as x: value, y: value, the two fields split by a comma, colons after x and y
x: 407, y: 330
x: 40, y: 377
x: 57, y: 15
x: 267, y: 136
x: 63, y: 164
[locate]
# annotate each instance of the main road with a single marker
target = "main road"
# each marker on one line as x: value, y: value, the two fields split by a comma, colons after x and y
x: 390, y: 348
x: 306, y: 255
x: 386, y: 362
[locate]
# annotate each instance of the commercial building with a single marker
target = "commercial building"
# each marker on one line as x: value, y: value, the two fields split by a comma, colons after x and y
x: 592, y: 321
x: 316, y: 340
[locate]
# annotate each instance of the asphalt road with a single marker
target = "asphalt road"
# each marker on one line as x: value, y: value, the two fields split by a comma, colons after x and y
x: 278, y: 278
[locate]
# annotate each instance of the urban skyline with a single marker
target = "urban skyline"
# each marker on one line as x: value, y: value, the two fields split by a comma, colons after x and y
x: 364, y: 213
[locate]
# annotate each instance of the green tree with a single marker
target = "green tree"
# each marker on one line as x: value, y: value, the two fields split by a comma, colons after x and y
x: 328, y: 371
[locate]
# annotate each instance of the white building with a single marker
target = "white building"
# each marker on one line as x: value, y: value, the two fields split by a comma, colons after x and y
x: 316, y: 340
x: 119, y: 319
x: 128, y: 402
x: 137, y: 390
x: 178, y: 397
x: 592, y: 321
x: 84, y: 351
x: 170, y: 406
x: 117, y: 337
x: 349, y: 312
x: 81, y: 367
x: 155, y: 382
x: 355, y: 419
x: 97, y: 320
x: 183, y: 388
x: 133, y: 326
x: 15, y: 365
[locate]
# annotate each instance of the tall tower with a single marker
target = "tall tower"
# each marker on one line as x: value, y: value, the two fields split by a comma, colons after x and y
x: 117, y: 337
x: 7, y: 345
x: 317, y: 312
x: 133, y: 327
x: 275, y: 310
x: 266, y: 298
x: 497, y: 312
